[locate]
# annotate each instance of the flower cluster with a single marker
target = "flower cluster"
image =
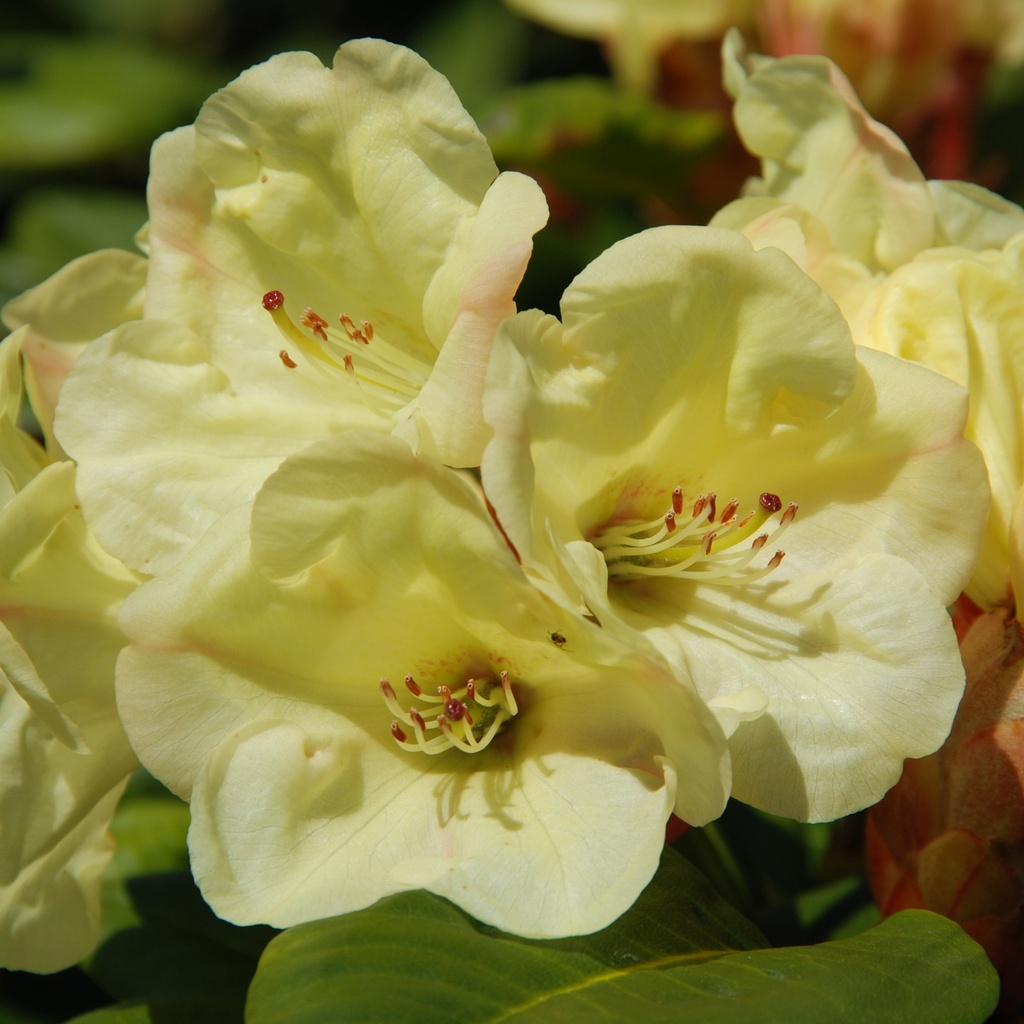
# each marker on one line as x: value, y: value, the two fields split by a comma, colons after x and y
x: 413, y: 590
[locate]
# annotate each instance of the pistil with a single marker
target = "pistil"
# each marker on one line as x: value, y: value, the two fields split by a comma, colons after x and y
x: 382, y: 366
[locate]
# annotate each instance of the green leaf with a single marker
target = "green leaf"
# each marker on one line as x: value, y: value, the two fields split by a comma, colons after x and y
x: 66, y: 102
x: 135, y: 1014
x: 680, y: 954
x: 595, y: 141
x: 162, y: 1011
x: 180, y: 953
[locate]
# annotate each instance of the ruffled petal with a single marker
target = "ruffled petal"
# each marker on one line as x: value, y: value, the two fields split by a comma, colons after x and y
x: 64, y: 758
x: 90, y: 296
x: 367, y: 562
x: 820, y: 149
x: 961, y: 313
x: 56, y: 807
x: 859, y: 663
x: 181, y: 442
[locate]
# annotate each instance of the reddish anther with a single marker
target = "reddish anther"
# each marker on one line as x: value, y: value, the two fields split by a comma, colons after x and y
x: 348, y: 363
x: 445, y: 693
x: 770, y: 502
x: 712, y: 499
x: 699, y: 505
x: 348, y: 324
x: 413, y: 686
x: 677, y: 500
x: 417, y: 719
x: 759, y: 542
x: 670, y: 521
x: 709, y: 539
x: 273, y: 300
x: 471, y: 689
x: 287, y: 359
x: 730, y: 510
x: 367, y: 330
x: 316, y: 323
x: 776, y: 558
x: 789, y: 514
x: 396, y: 731
x: 387, y: 689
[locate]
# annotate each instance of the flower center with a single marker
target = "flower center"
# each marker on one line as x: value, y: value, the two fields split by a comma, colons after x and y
x: 703, y: 546
x: 467, y: 719
x: 383, y: 367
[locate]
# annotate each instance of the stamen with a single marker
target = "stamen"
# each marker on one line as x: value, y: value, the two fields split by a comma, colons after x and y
x: 388, y: 370
x: 316, y: 323
x: 702, y: 550
x: 466, y: 719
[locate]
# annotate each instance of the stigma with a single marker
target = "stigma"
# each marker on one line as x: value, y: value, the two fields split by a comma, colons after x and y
x: 703, y: 544
x: 348, y: 351
x: 466, y: 719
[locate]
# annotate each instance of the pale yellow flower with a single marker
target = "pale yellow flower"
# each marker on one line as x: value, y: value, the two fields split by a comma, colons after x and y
x: 64, y: 758
x: 328, y: 249
x: 264, y: 683
x: 929, y: 271
x: 699, y: 452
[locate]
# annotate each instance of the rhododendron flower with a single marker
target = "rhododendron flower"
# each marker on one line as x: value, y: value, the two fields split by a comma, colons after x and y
x: 64, y: 758
x: 328, y: 249
x: 898, y: 53
x: 929, y: 271
x: 635, y: 31
x: 698, y: 452
x: 371, y: 697
x: 902, y: 55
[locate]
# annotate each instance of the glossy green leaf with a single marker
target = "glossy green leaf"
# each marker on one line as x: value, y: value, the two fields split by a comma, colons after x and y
x: 595, y: 141
x: 680, y: 954
x: 180, y: 952
x: 65, y: 102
